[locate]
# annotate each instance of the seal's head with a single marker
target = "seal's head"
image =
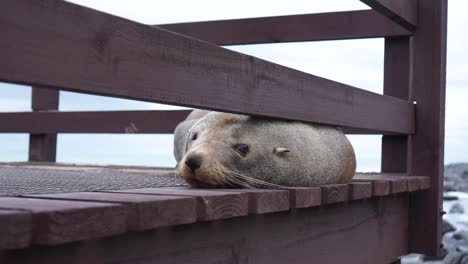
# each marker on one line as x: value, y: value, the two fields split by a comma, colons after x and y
x: 228, y: 150
x: 214, y: 147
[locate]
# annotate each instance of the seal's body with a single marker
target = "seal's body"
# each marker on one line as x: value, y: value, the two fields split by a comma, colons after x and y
x: 220, y: 150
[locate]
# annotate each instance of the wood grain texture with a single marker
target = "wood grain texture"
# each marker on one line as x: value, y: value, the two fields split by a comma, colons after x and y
x: 211, y: 205
x: 132, y: 122
x: 396, y: 83
x: 334, y: 193
x: 116, y: 57
x: 359, y: 190
x: 307, y: 27
x: 56, y: 222
x: 15, y: 229
x: 143, y: 211
x: 304, y: 197
x: 314, y: 234
x: 403, y: 12
x: 164, y: 121
x: 398, y: 183
x: 43, y: 147
x: 263, y: 201
x: 380, y: 187
x: 428, y: 64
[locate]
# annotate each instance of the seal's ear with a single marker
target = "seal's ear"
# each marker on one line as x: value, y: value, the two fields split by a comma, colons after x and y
x: 280, y: 150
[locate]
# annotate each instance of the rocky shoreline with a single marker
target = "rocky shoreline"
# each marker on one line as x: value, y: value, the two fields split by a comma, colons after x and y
x: 455, y: 221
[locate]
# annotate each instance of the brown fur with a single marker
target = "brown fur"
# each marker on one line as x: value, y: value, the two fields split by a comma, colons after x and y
x: 317, y: 154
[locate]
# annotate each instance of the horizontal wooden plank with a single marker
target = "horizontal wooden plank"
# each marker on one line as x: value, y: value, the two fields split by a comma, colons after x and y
x: 371, y: 231
x: 211, y: 205
x: 334, y: 193
x: 397, y: 181
x: 143, y: 211
x: 153, y: 121
x: 15, y: 229
x: 403, y: 12
x: 116, y: 57
x: 304, y: 197
x: 379, y: 187
x: 263, y: 201
x: 359, y: 190
x: 56, y: 222
x: 307, y: 27
x: 92, y: 121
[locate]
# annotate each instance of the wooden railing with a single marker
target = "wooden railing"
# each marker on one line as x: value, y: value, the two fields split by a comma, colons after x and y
x: 55, y: 45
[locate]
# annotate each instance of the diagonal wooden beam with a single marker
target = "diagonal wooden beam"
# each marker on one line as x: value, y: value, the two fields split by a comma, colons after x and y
x: 293, y: 28
x: 65, y: 46
x: 403, y: 12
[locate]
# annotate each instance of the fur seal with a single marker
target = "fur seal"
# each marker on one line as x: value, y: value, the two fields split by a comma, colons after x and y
x: 218, y: 150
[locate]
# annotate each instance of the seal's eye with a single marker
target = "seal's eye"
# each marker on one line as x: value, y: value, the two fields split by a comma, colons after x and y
x: 194, y: 136
x: 242, y: 149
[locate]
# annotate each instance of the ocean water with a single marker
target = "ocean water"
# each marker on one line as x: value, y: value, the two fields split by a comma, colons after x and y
x: 122, y: 149
x: 142, y: 150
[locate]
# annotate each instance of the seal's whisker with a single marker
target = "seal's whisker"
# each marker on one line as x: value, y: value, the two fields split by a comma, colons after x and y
x: 257, y: 180
x: 249, y: 179
x: 235, y: 181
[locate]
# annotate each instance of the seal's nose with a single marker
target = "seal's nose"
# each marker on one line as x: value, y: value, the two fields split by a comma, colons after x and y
x: 193, y: 162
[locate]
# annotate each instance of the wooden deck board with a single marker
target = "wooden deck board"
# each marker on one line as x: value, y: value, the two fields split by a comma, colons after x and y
x: 334, y: 193
x: 56, y: 222
x: 15, y: 229
x: 65, y: 215
x: 360, y: 190
x: 143, y: 211
x: 211, y: 205
x: 304, y: 197
x: 331, y: 234
x: 263, y: 201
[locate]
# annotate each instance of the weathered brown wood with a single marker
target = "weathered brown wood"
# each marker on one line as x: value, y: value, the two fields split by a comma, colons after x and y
x: 398, y: 183
x: 43, y: 98
x: 318, y: 234
x: 15, y: 229
x: 211, y: 204
x: 416, y: 183
x: 403, y: 12
x: 116, y: 57
x: 428, y: 58
x: 359, y: 190
x: 304, y: 197
x: 263, y: 201
x: 143, y: 211
x: 396, y: 83
x: 43, y: 147
x: 424, y: 183
x: 307, y: 27
x: 380, y: 187
x: 56, y: 222
x: 156, y: 121
x: 93, y: 121
x: 334, y: 193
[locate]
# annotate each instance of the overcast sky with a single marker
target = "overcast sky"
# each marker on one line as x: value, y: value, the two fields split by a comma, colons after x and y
x: 355, y: 62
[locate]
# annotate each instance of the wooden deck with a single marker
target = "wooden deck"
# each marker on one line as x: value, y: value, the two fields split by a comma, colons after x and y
x: 64, y: 215
x: 141, y: 215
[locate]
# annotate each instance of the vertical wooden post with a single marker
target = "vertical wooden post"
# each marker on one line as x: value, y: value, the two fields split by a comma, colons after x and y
x: 427, y: 88
x: 43, y: 147
x: 396, y: 83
